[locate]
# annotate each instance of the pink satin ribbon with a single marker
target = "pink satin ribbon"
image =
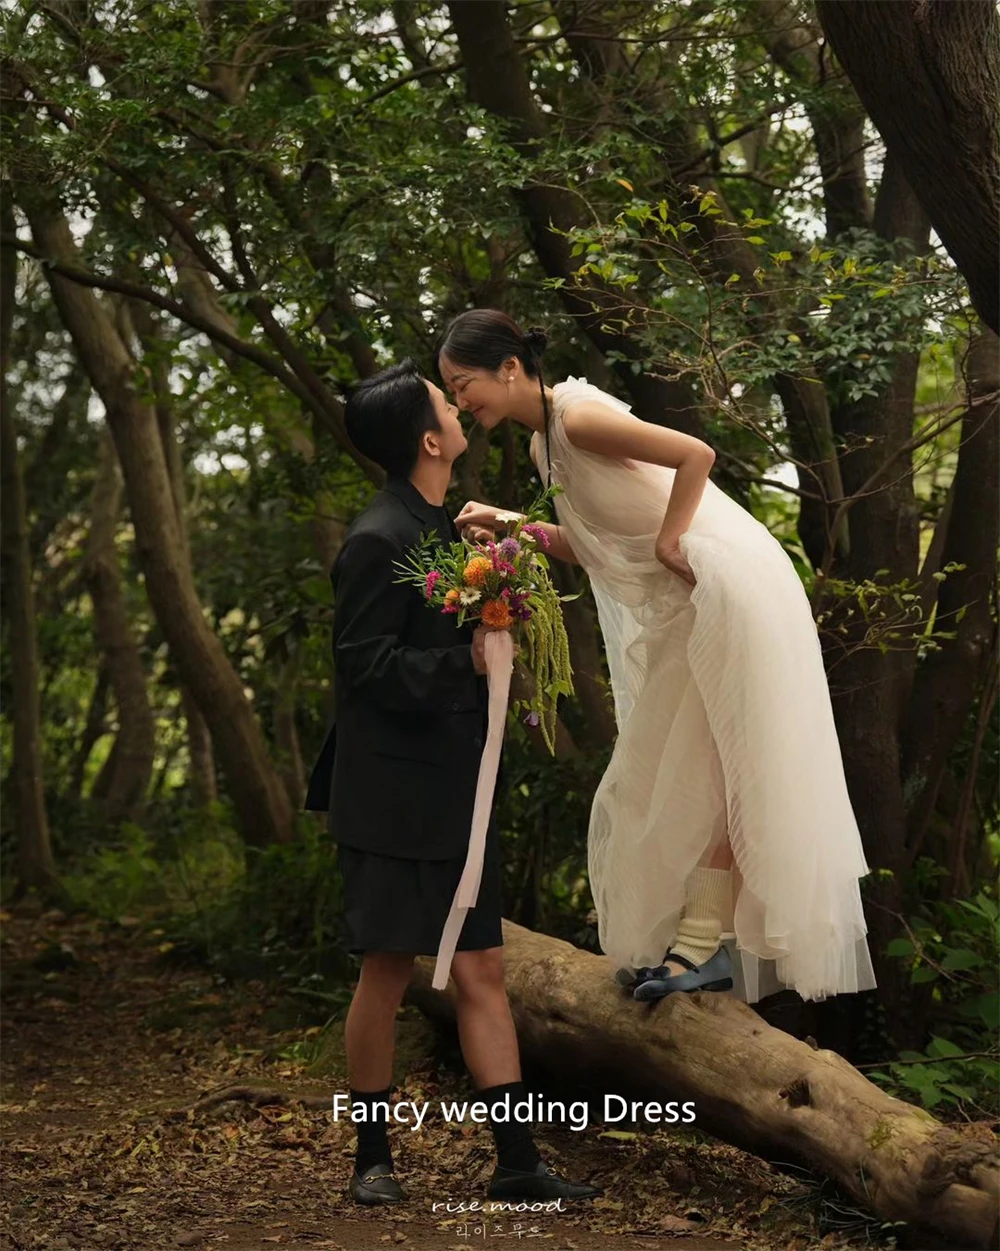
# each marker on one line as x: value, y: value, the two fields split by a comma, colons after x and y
x: 499, y: 653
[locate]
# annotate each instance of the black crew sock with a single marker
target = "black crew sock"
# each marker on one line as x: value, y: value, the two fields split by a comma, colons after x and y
x: 373, y: 1139
x: 515, y: 1146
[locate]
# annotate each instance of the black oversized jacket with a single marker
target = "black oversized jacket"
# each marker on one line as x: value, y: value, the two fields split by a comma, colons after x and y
x: 398, y: 771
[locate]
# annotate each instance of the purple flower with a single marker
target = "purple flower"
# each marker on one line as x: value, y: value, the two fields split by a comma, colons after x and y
x: 509, y: 548
x: 532, y: 719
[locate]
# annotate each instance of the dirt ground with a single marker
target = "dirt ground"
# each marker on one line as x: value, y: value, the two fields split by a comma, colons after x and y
x: 108, y: 1043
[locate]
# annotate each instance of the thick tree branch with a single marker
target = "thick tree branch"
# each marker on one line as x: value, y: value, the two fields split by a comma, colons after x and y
x: 497, y: 80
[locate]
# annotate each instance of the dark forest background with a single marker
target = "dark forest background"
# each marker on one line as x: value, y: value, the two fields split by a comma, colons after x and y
x: 218, y: 216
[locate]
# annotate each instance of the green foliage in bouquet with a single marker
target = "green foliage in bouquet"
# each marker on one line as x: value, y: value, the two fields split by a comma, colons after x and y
x: 504, y: 585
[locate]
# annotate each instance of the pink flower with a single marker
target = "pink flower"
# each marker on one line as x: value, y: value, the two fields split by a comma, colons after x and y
x: 537, y: 533
x: 433, y: 578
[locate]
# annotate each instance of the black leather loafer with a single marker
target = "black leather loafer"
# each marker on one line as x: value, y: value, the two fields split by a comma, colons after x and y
x: 376, y: 1185
x: 542, y: 1182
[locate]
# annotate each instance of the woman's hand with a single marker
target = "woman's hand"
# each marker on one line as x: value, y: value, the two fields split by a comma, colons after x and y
x: 669, y: 554
x: 478, y: 522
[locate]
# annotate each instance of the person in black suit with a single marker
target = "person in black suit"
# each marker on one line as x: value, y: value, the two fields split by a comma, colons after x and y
x: 398, y: 777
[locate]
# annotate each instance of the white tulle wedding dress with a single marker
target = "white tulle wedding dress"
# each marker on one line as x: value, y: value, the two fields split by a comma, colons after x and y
x: 725, y: 730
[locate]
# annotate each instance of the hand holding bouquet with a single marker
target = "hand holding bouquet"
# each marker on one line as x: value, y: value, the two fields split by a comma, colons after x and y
x: 504, y: 585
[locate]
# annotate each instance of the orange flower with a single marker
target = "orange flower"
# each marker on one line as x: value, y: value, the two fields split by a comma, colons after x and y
x: 453, y: 596
x: 497, y: 615
x: 476, y: 571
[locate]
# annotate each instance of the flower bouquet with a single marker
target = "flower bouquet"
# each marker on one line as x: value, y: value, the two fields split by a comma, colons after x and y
x: 504, y: 585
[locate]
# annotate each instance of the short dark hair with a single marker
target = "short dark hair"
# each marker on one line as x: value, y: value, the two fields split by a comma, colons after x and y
x: 387, y: 415
x: 483, y: 338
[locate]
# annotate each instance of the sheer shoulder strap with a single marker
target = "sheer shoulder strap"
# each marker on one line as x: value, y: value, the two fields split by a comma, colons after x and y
x: 580, y: 389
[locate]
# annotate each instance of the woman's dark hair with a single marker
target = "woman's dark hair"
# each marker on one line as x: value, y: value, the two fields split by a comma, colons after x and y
x: 484, y: 338
x: 387, y: 415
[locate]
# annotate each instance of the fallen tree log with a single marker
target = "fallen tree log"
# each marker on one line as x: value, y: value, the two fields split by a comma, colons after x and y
x: 752, y: 1085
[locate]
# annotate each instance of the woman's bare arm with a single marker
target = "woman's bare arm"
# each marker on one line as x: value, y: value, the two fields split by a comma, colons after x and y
x: 596, y: 427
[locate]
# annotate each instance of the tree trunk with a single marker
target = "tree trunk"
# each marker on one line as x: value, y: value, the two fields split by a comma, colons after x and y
x: 946, y: 684
x: 286, y: 734
x: 592, y: 690
x: 36, y: 867
x: 928, y: 72
x: 201, y: 758
x: 836, y: 117
x: 94, y: 727
x: 128, y: 783
x: 868, y: 687
x: 262, y: 806
x: 752, y: 1085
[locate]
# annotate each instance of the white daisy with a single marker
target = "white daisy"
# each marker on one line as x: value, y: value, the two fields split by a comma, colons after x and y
x: 471, y: 597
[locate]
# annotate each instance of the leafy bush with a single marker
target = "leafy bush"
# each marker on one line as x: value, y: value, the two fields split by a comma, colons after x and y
x: 956, y: 949
x: 281, y: 918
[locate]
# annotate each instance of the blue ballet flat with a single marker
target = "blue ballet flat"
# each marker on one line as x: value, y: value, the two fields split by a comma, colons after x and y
x: 715, y: 974
x: 627, y: 978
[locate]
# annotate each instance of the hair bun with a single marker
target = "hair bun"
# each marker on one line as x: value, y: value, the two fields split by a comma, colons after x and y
x: 536, y: 340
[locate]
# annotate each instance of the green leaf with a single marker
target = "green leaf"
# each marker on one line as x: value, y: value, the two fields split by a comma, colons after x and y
x: 900, y: 947
x: 943, y: 1049
x: 963, y: 958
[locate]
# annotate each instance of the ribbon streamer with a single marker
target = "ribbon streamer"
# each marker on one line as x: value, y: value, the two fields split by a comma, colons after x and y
x: 499, y: 652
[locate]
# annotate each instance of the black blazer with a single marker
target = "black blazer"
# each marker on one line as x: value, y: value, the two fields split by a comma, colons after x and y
x: 397, y: 773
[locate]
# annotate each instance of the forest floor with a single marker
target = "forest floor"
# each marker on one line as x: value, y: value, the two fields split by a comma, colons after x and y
x: 108, y: 1043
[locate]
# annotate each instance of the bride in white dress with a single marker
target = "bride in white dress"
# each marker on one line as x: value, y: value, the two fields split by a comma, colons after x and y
x: 724, y: 811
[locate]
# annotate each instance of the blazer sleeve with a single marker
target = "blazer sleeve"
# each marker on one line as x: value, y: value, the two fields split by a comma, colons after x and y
x: 370, y: 611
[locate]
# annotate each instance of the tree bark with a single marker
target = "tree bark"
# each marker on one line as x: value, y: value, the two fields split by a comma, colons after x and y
x: 36, y: 867
x: 263, y: 810
x: 928, y: 72
x: 752, y: 1085
x: 128, y: 782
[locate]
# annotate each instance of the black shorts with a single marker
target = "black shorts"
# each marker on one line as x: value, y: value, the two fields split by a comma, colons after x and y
x: 392, y: 904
